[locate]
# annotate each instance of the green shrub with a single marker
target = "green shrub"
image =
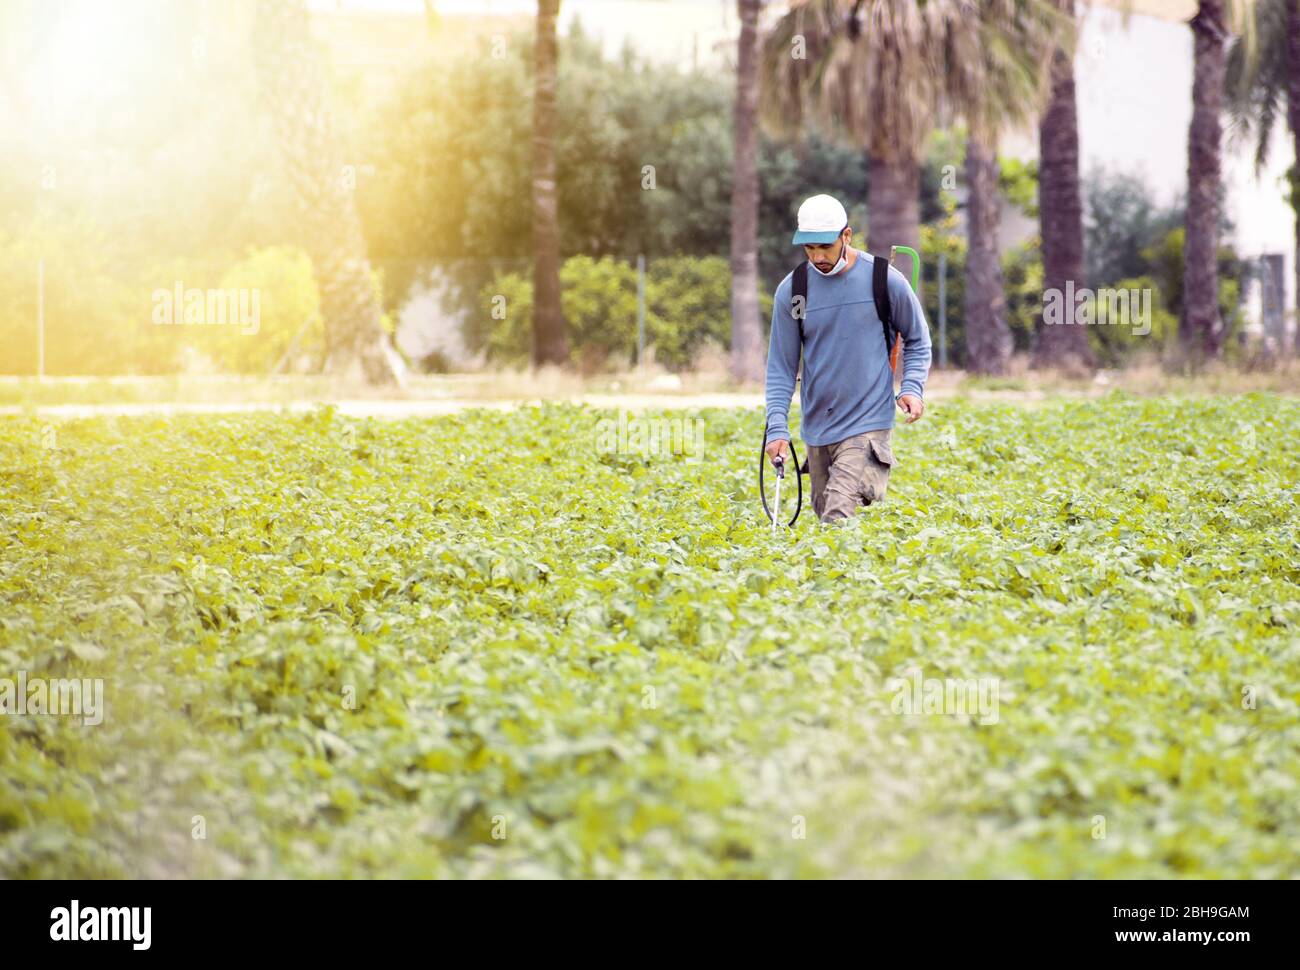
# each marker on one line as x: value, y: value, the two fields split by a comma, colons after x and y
x: 939, y: 238
x: 688, y: 304
x: 288, y: 301
x: 1115, y: 343
x: 94, y: 322
x: 1022, y: 276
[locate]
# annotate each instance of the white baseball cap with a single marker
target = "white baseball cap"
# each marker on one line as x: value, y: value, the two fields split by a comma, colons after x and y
x: 821, y: 220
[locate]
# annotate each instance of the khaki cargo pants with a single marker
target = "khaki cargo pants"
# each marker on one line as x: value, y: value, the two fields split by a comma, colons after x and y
x: 849, y: 474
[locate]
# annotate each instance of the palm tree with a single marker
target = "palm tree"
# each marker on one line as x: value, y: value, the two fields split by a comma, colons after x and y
x: 1256, y: 83
x: 1293, y: 116
x: 1060, y: 211
x: 1200, y: 329
x: 550, y: 337
x: 746, y: 332
x: 988, y: 338
x: 884, y: 72
x: 997, y: 78
x: 872, y: 69
x: 293, y: 89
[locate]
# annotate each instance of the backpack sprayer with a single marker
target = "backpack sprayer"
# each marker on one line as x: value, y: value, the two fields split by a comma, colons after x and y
x: 893, y: 347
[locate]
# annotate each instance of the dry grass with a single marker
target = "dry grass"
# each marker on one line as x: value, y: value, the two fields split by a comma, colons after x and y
x: 448, y: 392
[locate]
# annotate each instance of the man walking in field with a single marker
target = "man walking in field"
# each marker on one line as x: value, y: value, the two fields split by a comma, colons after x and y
x: 848, y: 386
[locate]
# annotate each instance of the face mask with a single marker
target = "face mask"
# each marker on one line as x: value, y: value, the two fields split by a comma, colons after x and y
x: 844, y: 261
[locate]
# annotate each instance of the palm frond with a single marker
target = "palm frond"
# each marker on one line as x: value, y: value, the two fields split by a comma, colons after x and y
x: 883, y: 73
x: 1256, y: 81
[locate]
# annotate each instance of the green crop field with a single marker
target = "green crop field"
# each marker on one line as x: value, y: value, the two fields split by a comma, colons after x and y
x: 497, y: 645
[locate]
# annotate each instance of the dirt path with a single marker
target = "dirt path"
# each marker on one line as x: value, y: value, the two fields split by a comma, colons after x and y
x: 387, y: 409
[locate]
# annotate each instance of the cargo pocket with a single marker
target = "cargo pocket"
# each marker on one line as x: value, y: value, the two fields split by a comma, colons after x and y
x: 875, y: 478
x: 841, y: 494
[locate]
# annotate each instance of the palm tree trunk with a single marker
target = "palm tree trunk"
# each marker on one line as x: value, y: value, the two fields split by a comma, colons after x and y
x: 746, y: 333
x: 1293, y: 117
x: 1060, y: 214
x: 1199, y: 329
x: 893, y: 203
x: 988, y: 338
x: 293, y: 88
x: 550, y: 338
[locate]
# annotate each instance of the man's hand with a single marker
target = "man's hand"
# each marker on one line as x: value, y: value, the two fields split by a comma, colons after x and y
x: 778, y: 447
x: 912, y: 406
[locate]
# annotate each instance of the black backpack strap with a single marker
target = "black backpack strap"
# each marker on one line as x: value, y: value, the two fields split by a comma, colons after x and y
x: 880, y: 290
x: 799, y: 309
x: 799, y: 296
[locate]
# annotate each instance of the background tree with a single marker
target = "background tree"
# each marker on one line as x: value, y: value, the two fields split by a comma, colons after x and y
x: 872, y: 69
x: 746, y: 332
x: 550, y: 340
x: 1199, y: 327
x: 451, y: 147
x: 293, y: 89
x: 1060, y: 206
x: 996, y: 77
x: 988, y: 338
x: 1257, y: 82
x: 884, y: 73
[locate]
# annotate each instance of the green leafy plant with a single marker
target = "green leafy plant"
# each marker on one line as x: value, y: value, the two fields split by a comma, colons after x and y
x: 483, y: 646
x: 688, y: 305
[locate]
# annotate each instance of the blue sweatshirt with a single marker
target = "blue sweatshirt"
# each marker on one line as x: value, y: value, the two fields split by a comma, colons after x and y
x: 847, y: 385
